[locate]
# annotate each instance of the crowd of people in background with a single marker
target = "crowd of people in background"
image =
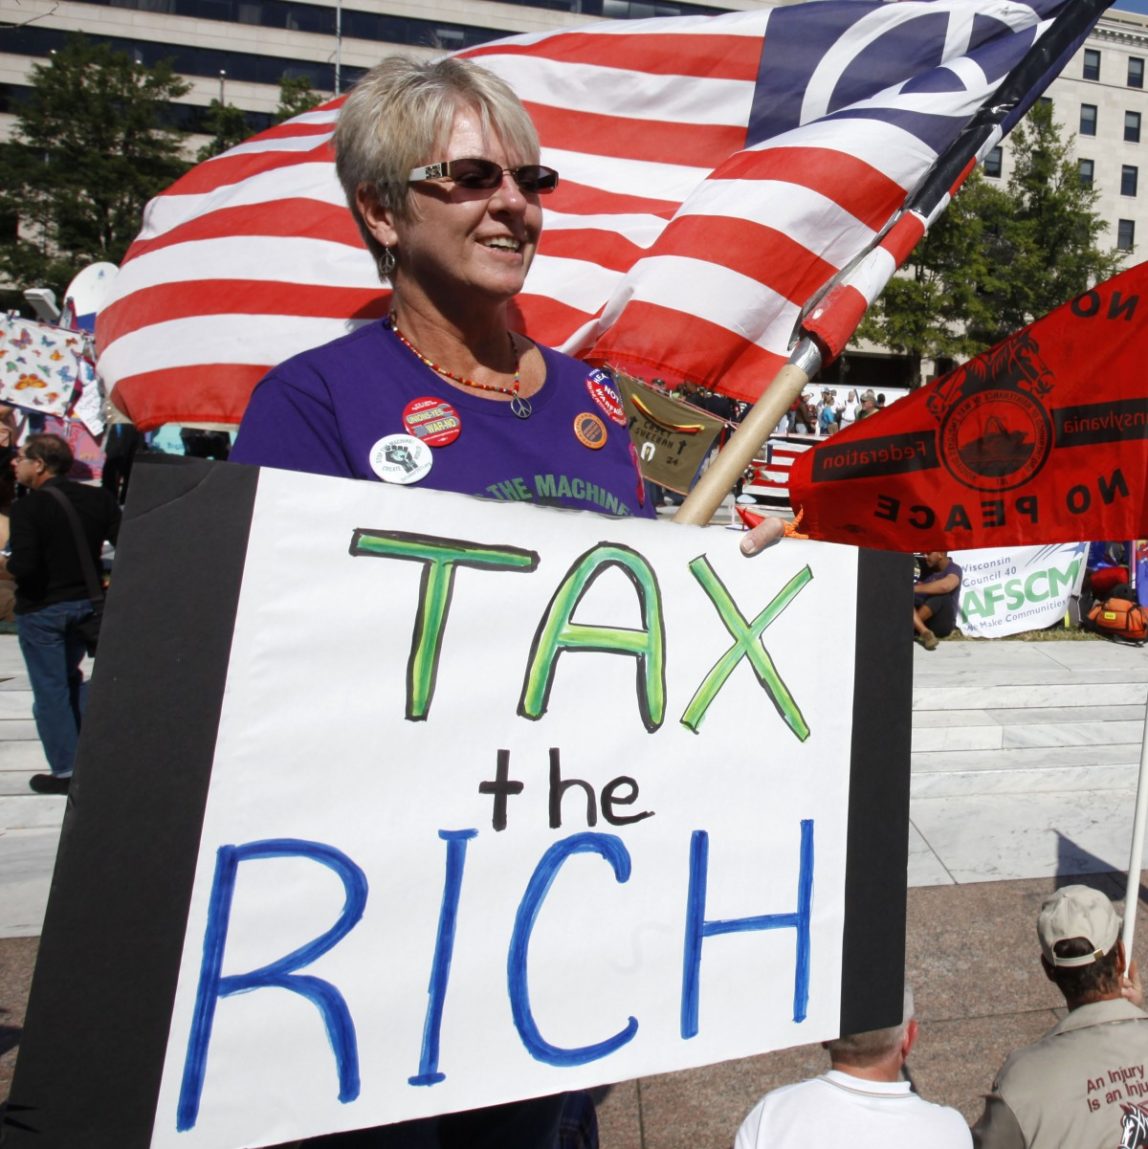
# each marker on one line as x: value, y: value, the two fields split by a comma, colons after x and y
x: 809, y: 413
x: 835, y: 410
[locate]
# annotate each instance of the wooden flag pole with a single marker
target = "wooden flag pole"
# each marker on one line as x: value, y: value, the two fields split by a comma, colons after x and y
x: 1136, y: 857
x: 744, y: 444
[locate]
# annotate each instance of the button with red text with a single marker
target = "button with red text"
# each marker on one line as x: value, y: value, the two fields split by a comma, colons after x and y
x: 602, y: 391
x: 434, y: 421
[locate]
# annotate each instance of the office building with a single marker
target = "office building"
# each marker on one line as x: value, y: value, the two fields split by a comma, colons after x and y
x: 1100, y: 99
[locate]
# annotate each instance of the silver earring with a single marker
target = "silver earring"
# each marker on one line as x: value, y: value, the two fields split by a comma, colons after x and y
x: 387, y: 263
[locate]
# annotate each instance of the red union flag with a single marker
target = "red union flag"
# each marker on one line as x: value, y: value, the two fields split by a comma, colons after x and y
x: 1042, y: 439
x: 717, y: 174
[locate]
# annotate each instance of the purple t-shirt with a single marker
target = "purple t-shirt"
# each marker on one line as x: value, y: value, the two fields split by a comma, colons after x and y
x: 324, y: 411
x: 928, y: 575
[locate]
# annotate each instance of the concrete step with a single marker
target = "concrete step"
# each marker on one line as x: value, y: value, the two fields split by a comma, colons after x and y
x: 1040, y: 737
x: 14, y: 784
x: 1029, y: 734
x: 1025, y: 758
x: 28, y: 811
x: 15, y: 704
x: 927, y: 719
x: 1110, y: 691
x: 26, y: 755
x: 1025, y: 780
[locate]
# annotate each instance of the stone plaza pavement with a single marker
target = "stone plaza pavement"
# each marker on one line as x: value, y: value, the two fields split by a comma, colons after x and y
x: 1025, y: 756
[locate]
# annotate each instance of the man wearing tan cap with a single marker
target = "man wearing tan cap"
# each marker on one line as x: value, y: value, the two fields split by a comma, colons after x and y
x: 1084, y: 1085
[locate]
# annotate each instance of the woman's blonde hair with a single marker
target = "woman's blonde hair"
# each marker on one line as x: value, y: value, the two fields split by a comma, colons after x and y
x: 401, y: 111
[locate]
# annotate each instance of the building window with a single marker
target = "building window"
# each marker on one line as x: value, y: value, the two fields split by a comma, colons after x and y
x: 1086, y: 169
x: 1091, y: 63
x: 1135, y: 72
x: 1126, y: 234
x: 1088, y: 120
x: 992, y: 165
x: 1128, y: 175
x: 1131, y: 127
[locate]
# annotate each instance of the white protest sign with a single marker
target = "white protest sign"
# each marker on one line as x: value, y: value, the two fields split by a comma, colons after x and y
x: 1009, y: 590
x: 502, y: 801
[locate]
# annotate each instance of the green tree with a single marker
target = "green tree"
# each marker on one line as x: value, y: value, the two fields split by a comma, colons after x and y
x: 997, y: 259
x: 1046, y: 240
x: 296, y: 96
x: 936, y: 306
x: 92, y: 145
x: 227, y: 125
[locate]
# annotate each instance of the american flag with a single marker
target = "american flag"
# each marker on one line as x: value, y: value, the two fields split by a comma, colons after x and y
x: 718, y: 173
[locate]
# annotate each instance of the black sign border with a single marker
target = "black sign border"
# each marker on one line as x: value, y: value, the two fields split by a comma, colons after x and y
x: 95, y: 1037
x: 877, y: 852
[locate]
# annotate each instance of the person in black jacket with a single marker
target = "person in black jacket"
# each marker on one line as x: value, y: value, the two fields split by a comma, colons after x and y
x: 52, y: 594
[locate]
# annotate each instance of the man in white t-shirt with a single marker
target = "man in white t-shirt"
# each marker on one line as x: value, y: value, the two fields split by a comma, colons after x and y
x: 861, y: 1101
x: 848, y: 410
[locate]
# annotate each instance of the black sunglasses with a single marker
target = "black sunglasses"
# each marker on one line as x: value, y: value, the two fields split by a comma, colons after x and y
x: 487, y: 175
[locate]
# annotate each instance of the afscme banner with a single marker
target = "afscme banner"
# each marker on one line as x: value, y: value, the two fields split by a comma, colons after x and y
x: 394, y: 803
x: 1042, y: 439
x: 1013, y: 589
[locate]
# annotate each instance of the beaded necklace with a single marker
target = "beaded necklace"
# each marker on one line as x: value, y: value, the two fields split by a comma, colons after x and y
x: 519, y: 404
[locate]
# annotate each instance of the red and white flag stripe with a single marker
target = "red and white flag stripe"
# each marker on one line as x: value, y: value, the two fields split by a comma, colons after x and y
x: 717, y: 174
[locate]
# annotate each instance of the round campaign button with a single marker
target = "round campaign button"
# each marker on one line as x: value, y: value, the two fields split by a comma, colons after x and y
x: 401, y: 459
x: 434, y: 421
x: 591, y: 431
x: 602, y: 391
